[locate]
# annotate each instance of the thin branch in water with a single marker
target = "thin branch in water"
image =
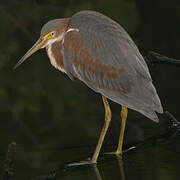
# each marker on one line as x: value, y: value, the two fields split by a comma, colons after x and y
x: 52, y: 175
x: 10, y: 162
x: 172, y: 119
x: 155, y: 58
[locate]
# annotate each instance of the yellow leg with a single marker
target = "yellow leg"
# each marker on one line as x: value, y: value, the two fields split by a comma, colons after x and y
x: 104, y: 129
x: 101, y: 138
x: 124, y: 112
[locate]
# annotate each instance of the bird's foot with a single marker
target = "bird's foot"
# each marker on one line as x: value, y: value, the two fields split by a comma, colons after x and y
x: 122, y: 152
x: 114, y: 153
x: 81, y: 163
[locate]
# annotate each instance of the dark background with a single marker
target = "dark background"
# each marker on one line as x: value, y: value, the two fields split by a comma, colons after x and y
x: 42, y: 108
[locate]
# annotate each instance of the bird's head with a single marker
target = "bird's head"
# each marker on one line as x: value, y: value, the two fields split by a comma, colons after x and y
x: 51, y: 32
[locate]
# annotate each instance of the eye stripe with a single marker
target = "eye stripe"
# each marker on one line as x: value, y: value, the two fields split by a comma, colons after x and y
x: 49, y: 35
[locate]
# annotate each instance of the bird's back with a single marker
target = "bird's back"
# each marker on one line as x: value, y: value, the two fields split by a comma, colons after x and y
x: 108, y: 61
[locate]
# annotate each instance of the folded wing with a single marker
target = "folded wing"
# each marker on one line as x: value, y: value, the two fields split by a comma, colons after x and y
x: 103, y: 56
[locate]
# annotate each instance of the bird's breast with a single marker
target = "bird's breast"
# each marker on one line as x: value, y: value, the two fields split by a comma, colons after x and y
x: 55, y: 56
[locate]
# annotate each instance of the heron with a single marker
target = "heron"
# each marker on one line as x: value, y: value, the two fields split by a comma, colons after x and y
x: 96, y: 50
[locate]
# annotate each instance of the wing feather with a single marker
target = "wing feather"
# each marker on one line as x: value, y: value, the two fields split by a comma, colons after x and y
x: 104, y: 57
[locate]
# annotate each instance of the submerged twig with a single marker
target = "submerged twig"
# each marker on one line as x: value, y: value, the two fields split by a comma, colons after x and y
x: 9, y: 162
x: 172, y: 119
x: 50, y: 175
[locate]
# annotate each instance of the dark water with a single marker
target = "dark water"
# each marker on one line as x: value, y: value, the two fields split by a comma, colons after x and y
x: 155, y: 158
x: 55, y: 120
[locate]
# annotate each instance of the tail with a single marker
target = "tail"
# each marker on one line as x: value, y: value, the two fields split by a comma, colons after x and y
x: 153, y: 104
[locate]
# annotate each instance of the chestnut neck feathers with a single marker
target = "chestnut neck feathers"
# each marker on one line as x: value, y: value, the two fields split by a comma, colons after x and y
x: 60, y: 26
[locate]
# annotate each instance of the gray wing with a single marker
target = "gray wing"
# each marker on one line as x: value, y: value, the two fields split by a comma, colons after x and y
x: 104, y: 57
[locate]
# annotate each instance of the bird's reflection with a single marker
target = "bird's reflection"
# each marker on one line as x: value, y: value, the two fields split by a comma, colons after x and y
x: 97, y: 172
x: 121, y: 168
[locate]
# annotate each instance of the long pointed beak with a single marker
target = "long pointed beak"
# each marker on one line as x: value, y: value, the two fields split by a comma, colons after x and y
x: 39, y: 44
